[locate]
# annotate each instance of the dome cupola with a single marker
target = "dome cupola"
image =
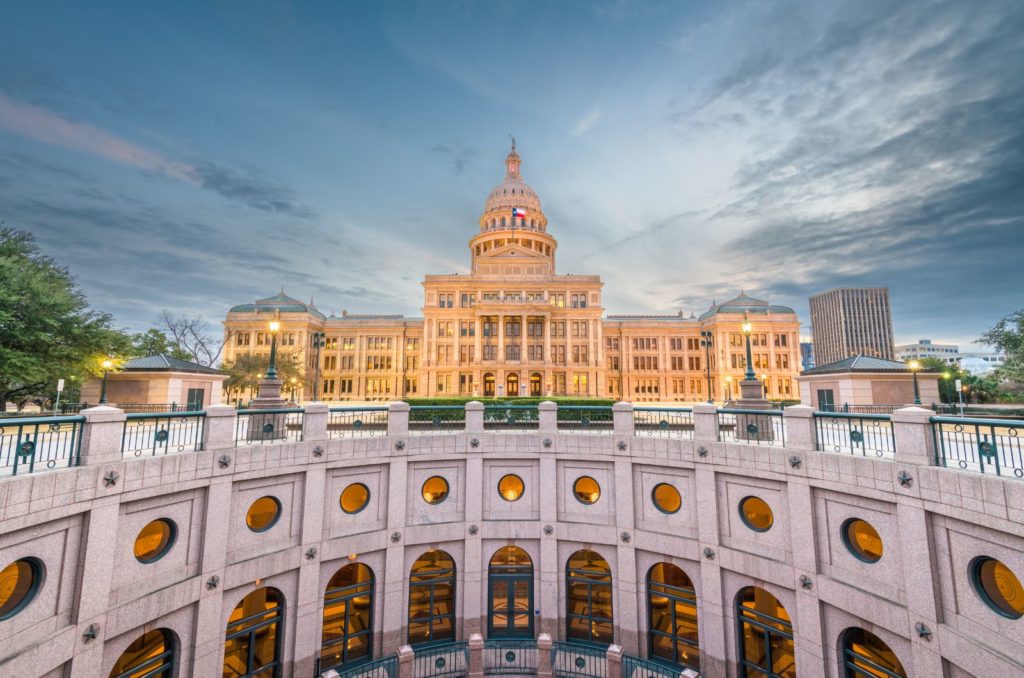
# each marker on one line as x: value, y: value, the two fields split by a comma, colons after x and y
x: 512, y: 203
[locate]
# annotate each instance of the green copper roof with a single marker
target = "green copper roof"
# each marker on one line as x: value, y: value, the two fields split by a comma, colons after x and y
x: 745, y: 304
x: 280, y: 303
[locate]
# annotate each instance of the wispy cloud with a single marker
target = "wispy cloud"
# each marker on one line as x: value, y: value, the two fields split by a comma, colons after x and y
x: 588, y: 120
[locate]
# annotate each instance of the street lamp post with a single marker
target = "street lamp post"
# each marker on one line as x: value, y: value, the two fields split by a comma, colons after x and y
x: 706, y: 340
x: 914, y: 367
x: 949, y: 394
x: 747, y: 329
x: 274, y: 327
x: 764, y: 384
x: 107, y: 365
x: 319, y: 341
x: 292, y: 381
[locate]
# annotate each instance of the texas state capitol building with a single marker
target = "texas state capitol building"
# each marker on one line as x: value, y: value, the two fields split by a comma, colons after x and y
x: 513, y: 326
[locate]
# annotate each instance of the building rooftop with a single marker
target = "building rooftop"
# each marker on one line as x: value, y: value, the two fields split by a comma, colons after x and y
x: 860, y: 363
x: 279, y: 303
x: 164, y: 363
x: 745, y: 304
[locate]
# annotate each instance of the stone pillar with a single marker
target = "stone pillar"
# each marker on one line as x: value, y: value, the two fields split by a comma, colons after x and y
x: 547, y: 413
x: 501, y: 348
x: 219, y: 427
x: 912, y: 429
x: 800, y: 427
x: 622, y: 418
x: 613, y: 661
x: 398, y: 419
x: 544, y: 656
x: 314, y: 422
x: 405, y: 657
x: 97, y: 566
x: 474, y: 417
x: 705, y: 422
x: 476, y: 656
x: 101, y: 435
x: 478, y: 354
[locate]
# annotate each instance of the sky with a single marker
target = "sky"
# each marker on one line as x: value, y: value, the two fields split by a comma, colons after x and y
x: 192, y: 156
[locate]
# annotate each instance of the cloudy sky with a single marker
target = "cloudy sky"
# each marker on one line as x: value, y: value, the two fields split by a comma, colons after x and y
x: 191, y: 156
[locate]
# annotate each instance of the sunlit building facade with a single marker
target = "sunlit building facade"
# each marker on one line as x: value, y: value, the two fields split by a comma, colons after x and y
x: 513, y: 326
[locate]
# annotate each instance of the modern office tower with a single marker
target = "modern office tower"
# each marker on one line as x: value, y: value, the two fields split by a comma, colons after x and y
x: 848, y: 321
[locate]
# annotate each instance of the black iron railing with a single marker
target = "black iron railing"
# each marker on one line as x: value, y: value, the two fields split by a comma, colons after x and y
x: 756, y: 427
x: 255, y: 427
x: 512, y: 656
x: 635, y: 667
x: 437, y: 418
x: 983, y: 445
x: 510, y: 418
x: 863, y: 434
x: 353, y: 422
x: 34, y: 444
x: 163, y: 433
x: 666, y: 422
x: 585, y: 419
x: 575, y: 660
x: 441, y: 661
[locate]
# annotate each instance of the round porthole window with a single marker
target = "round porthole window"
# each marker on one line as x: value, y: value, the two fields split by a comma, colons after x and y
x: 435, y: 490
x: 262, y: 514
x: 19, y: 583
x: 862, y: 539
x: 155, y: 540
x: 354, y: 498
x: 756, y: 514
x: 666, y: 498
x: 586, y: 490
x: 998, y: 586
x: 511, y: 487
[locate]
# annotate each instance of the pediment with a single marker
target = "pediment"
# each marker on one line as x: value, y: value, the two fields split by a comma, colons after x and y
x: 513, y: 251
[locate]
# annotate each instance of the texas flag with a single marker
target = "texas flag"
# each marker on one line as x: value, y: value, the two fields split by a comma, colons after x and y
x: 518, y: 213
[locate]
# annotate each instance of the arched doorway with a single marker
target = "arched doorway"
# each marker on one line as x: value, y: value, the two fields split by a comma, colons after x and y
x: 252, y: 644
x: 867, y: 655
x: 672, y: 616
x: 347, y: 636
x: 510, y: 592
x: 536, y: 384
x: 765, y: 635
x: 151, y: 654
x: 512, y: 384
x: 589, y: 598
x: 489, y: 385
x: 432, y: 599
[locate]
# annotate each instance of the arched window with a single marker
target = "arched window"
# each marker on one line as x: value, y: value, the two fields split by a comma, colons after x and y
x: 589, y: 597
x: 865, y: 654
x: 150, y: 655
x: 510, y: 591
x: 432, y: 598
x: 252, y: 644
x: 672, y: 615
x: 348, y: 617
x: 503, y: 222
x: 765, y: 635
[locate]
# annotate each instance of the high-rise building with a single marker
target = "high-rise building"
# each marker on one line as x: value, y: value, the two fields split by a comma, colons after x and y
x: 849, y: 321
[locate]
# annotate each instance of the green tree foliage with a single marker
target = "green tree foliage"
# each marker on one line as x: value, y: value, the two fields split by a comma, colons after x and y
x: 155, y: 342
x: 247, y: 369
x: 1008, y: 336
x: 47, y: 330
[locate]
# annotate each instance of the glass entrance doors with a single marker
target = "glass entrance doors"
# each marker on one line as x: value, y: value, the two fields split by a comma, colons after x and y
x: 510, y: 594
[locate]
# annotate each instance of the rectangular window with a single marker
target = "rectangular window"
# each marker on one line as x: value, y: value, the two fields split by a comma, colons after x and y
x: 512, y: 352
x: 242, y: 339
x: 692, y: 343
x: 348, y: 343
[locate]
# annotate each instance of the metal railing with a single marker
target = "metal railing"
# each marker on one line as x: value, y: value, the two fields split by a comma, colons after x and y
x: 863, y: 434
x: 256, y: 427
x: 164, y: 433
x: 512, y: 656
x: 847, y: 408
x: 385, y: 667
x: 437, y: 418
x: 756, y: 427
x: 353, y: 422
x: 28, y: 445
x: 450, y: 659
x: 983, y: 445
x: 585, y: 419
x: 666, y: 422
x: 574, y: 660
x: 636, y: 667
x: 511, y: 417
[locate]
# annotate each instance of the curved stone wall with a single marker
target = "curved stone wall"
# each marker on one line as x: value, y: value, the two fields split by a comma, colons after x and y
x: 96, y: 597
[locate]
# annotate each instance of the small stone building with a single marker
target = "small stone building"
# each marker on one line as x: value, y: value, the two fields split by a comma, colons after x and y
x: 159, y: 380
x: 865, y: 380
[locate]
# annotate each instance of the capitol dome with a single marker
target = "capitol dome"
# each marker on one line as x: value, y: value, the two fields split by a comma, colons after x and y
x: 511, y: 193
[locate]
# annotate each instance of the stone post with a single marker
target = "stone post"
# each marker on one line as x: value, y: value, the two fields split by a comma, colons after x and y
x: 314, y: 421
x: 405, y: 657
x: 913, y: 432
x: 101, y: 435
x: 705, y: 422
x: 219, y: 427
x: 476, y: 656
x: 398, y: 419
x: 622, y: 419
x: 544, y: 656
x: 613, y: 661
x: 548, y: 416
x: 800, y: 427
x: 474, y: 417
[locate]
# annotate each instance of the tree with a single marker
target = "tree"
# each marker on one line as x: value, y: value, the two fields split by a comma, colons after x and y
x: 247, y: 369
x: 1008, y: 336
x: 47, y: 330
x: 155, y: 342
x: 191, y: 335
x: 947, y: 385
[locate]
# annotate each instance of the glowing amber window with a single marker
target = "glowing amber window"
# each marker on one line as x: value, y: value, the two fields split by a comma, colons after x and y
x: 666, y: 498
x: 155, y: 540
x: 589, y: 598
x: 586, y: 489
x: 263, y: 513
x: 432, y: 598
x: 19, y: 582
x: 435, y: 490
x: 347, y: 636
x: 766, y: 635
x: 998, y: 586
x: 862, y: 539
x: 354, y: 498
x: 756, y: 514
x: 866, y: 655
x: 252, y: 643
x: 151, y: 654
x: 672, y: 615
x: 510, y: 487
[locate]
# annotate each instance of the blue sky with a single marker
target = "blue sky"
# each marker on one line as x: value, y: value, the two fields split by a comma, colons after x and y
x: 192, y: 156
